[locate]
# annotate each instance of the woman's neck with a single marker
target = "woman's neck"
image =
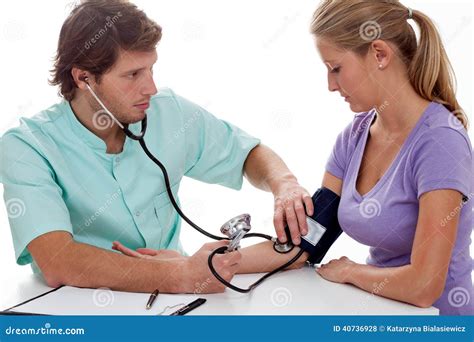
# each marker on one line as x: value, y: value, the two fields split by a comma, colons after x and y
x: 400, y: 114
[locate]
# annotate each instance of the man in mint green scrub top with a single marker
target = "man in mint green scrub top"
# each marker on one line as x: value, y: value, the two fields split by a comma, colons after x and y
x: 74, y: 184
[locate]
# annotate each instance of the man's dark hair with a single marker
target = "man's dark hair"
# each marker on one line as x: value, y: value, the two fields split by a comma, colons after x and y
x: 93, y: 35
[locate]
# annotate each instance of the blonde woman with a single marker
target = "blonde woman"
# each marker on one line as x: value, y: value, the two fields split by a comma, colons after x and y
x: 403, y: 166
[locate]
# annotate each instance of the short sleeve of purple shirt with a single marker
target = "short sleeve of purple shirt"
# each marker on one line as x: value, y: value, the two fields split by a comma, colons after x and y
x: 437, y: 154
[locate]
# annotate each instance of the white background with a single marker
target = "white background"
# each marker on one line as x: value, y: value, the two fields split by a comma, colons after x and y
x: 249, y: 62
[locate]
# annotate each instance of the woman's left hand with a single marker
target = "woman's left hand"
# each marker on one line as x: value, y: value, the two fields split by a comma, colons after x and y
x: 337, y: 270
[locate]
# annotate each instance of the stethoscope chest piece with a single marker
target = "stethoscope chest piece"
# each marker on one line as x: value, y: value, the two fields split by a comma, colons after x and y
x: 235, y: 229
x: 282, y: 247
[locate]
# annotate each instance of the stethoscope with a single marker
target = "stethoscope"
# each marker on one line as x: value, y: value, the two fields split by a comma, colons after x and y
x: 235, y: 229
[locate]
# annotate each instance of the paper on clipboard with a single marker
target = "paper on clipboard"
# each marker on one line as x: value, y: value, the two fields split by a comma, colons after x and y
x: 69, y: 300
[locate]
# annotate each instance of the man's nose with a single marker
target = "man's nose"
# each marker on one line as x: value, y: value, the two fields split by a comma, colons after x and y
x: 149, y: 87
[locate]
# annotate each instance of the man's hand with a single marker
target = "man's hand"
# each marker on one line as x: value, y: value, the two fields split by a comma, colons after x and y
x: 195, y: 274
x: 266, y: 170
x: 199, y: 275
x: 290, y: 202
x: 147, y: 253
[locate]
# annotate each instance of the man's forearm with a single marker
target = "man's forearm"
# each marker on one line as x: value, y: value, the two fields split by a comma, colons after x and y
x: 265, y: 169
x: 84, y: 265
x: 263, y: 258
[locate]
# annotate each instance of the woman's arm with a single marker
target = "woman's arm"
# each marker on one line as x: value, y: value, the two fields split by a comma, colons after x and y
x: 332, y: 183
x: 263, y: 258
x: 422, y: 281
x: 255, y: 259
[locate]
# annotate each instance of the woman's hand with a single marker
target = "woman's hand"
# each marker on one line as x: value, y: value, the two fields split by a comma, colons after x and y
x: 147, y: 253
x: 337, y: 270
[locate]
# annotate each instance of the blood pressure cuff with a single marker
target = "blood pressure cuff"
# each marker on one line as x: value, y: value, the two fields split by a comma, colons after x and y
x: 323, y: 225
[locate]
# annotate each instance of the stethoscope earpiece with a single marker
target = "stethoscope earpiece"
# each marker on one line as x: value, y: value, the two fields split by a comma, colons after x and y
x: 84, y: 78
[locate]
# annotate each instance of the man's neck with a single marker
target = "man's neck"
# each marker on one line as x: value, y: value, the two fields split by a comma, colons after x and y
x: 113, y: 136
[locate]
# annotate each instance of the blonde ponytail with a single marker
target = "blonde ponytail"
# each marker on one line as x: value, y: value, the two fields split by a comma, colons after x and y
x: 430, y: 71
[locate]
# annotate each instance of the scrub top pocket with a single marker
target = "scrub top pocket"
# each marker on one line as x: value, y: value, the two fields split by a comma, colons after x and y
x: 166, y: 215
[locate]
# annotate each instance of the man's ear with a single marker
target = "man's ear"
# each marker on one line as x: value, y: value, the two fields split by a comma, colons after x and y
x: 381, y: 52
x: 80, y: 76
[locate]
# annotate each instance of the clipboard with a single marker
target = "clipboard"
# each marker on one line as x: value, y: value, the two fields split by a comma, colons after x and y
x: 68, y: 300
x: 21, y: 313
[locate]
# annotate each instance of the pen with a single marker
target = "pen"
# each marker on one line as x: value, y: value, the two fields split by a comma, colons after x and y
x: 191, y: 306
x: 152, y: 298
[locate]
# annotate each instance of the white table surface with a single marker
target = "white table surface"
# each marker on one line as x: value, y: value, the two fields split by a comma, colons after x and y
x: 295, y: 292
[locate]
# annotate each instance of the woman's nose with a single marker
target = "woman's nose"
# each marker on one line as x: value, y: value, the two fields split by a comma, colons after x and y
x: 332, y: 84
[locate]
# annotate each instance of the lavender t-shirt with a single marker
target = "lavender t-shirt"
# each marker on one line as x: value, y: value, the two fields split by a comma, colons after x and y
x: 436, y: 155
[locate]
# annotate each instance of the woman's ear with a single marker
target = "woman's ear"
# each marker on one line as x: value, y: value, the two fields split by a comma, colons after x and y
x: 381, y: 53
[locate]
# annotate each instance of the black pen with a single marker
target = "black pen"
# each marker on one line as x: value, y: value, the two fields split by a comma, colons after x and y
x: 152, y: 298
x: 191, y: 306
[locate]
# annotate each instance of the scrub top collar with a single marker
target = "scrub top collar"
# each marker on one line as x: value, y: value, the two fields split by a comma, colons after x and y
x: 87, y: 136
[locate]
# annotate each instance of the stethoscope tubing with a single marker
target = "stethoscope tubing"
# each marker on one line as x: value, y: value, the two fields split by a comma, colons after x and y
x: 140, y: 137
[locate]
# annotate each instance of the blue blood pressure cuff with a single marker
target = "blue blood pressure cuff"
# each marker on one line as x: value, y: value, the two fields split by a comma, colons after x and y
x: 323, y: 225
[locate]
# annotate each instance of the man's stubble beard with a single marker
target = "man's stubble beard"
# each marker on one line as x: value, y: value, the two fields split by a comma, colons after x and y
x: 97, y: 109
